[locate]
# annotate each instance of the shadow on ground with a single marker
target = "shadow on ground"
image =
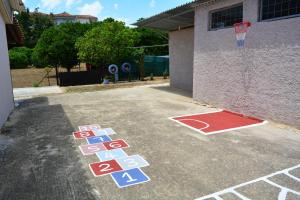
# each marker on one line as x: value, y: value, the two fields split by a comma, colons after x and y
x: 167, y: 88
x: 38, y: 158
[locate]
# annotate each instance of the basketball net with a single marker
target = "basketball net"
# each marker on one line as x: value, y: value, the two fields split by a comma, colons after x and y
x: 241, y: 30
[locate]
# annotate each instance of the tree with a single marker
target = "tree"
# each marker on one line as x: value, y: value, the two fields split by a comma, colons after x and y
x: 56, y: 46
x: 33, y: 25
x: 20, y: 57
x: 150, y: 37
x: 107, y: 43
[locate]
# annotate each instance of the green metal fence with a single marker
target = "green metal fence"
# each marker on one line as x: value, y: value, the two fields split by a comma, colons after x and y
x: 156, y: 65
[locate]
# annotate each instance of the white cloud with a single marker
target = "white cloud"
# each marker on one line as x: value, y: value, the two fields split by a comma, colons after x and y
x: 50, y: 4
x: 70, y: 3
x: 116, y: 6
x: 94, y: 9
x: 152, y: 3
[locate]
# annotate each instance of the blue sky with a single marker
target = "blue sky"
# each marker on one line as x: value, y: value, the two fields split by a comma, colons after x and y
x: 125, y: 10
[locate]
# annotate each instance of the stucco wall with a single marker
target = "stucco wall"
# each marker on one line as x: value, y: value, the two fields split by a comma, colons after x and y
x: 263, y: 79
x: 6, y: 94
x: 181, y: 58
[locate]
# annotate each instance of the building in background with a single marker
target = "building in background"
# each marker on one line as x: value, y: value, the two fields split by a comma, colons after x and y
x: 66, y: 17
x: 10, y: 33
x: 262, y: 79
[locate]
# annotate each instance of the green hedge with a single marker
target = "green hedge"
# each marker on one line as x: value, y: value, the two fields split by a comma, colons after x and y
x: 20, y: 57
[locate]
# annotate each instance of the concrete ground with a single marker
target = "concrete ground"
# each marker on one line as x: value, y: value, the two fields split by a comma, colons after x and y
x: 20, y: 93
x: 39, y: 158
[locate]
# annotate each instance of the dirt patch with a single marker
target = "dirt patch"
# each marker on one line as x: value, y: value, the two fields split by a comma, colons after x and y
x: 28, y: 77
x: 22, y: 78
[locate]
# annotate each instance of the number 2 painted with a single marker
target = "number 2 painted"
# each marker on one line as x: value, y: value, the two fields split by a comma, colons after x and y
x: 107, y: 168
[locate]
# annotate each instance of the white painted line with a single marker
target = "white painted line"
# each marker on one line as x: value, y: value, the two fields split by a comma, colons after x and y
x: 239, y: 195
x: 199, y: 121
x: 210, y: 112
x: 293, y: 177
x: 183, y: 124
x: 281, y: 187
x: 264, y: 178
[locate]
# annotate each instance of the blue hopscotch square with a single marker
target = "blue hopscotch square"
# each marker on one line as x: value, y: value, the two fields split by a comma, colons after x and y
x: 111, y: 155
x: 98, y: 139
x: 129, y: 177
x: 132, y: 162
x: 106, y: 131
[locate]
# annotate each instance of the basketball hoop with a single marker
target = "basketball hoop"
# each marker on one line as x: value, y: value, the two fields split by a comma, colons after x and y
x: 241, y: 30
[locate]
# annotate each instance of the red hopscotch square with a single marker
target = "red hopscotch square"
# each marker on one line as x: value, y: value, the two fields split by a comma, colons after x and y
x: 106, y: 167
x: 115, y: 144
x: 83, y: 134
x: 216, y: 122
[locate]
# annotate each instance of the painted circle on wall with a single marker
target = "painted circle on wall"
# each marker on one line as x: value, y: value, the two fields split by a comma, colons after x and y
x: 113, y: 69
x: 126, y: 67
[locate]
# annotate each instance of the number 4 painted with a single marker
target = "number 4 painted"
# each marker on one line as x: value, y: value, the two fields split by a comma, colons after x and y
x: 112, y: 154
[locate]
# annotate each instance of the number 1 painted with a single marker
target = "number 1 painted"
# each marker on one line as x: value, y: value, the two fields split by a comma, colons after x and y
x: 130, y: 179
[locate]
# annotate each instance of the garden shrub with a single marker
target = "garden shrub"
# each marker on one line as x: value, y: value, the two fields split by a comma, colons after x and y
x: 20, y: 57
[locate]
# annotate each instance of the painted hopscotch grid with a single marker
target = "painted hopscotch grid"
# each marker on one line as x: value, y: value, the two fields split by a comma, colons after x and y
x: 125, y: 170
x: 283, y: 190
x: 202, y: 125
x: 117, y: 165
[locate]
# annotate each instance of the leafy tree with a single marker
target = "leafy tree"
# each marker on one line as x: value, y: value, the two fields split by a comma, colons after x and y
x: 33, y: 25
x: 20, y: 57
x: 109, y: 20
x: 150, y: 37
x: 107, y: 43
x: 56, y: 46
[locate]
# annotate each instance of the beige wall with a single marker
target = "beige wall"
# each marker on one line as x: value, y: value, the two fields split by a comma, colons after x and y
x: 6, y: 94
x: 181, y: 58
x: 263, y: 79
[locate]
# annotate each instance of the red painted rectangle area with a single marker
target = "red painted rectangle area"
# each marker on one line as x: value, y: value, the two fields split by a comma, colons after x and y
x: 106, y: 167
x: 216, y: 122
x: 115, y: 144
x: 83, y: 134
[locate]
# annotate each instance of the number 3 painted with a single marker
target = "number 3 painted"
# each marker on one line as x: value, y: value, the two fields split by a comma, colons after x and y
x: 131, y: 162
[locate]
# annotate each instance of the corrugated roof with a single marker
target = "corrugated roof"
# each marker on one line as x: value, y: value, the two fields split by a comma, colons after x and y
x: 179, y: 17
